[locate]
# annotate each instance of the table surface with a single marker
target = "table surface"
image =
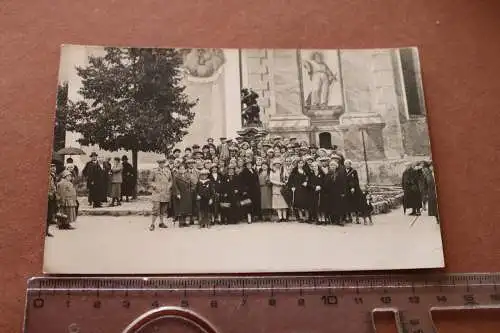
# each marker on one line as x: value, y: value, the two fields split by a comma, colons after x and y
x: 459, y: 47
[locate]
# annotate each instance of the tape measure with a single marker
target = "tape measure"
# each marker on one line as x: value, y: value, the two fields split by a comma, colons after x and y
x: 294, y: 304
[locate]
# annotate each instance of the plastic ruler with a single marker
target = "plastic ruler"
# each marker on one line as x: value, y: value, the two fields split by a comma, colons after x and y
x: 294, y: 304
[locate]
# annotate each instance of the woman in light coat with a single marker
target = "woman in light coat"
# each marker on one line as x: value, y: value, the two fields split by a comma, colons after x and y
x: 66, y: 199
x: 276, y: 177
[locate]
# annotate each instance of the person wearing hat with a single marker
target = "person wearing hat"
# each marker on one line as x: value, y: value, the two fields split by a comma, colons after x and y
x: 52, y: 198
x: 316, y: 180
x: 96, y: 176
x: 207, y: 164
x: 233, y: 152
x: 216, y: 179
x: 206, y: 151
x: 223, y: 149
x: 193, y: 176
x: 67, y: 200
x: 116, y: 182
x: 300, y: 185
x: 204, y: 192
x: 161, y: 188
x: 250, y: 189
x: 278, y: 182
x: 229, y: 196
x: 313, y: 149
x: 266, y: 194
x: 182, y: 193
x: 324, y: 163
x: 322, y: 152
x: 333, y: 201
x: 198, y: 155
x: 270, y: 155
x: 128, y: 174
x: 353, y: 192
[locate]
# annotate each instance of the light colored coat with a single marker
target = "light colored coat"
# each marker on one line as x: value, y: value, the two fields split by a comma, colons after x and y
x: 66, y: 193
x: 161, y: 185
x: 116, y: 174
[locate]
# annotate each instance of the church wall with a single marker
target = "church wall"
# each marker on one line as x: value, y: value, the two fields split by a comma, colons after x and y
x: 386, y: 101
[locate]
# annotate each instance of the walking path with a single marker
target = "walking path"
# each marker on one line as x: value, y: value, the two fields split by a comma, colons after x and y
x: 114, y: 245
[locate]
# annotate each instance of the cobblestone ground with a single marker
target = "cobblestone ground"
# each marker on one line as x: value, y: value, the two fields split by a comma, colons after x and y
x: 108, y: 244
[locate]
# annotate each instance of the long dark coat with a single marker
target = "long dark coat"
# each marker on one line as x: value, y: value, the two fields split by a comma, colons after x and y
x: 249, y: 184
x: 96, y: 182
x: 432, y: 208
x: 230, y: 193
x: 411, y: 181
x: 353, y: 198
x: 335, y: 190
x: 205, y: 191
x: 182, y: 186
x: 316, y: 180
x: 302, y: 193
x: 128, y: 183
x: 217, y: 183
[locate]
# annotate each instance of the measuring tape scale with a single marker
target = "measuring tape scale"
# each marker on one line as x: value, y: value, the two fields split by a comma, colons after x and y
x: 298, y: 304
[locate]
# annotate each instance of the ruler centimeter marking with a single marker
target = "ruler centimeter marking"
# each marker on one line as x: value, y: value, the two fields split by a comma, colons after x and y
x: 305, y: 303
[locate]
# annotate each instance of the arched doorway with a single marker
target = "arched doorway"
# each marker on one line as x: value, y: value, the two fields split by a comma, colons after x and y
x: 325, y: 140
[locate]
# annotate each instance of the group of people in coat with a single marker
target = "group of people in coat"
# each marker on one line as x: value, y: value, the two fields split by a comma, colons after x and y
x: 235, y: 182
x: 105, y: 180
x: 419, y: 188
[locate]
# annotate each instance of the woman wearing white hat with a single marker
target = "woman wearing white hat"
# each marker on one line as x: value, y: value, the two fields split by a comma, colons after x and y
x: 277, y: 180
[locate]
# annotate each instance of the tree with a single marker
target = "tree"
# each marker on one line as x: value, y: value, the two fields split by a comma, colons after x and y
x: 60, y: 122
x: 133, y: 100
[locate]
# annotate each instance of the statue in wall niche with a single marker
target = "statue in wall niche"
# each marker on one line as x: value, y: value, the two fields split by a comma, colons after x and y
x: 202, y: 63
x: 250, y: 109
x: 321, y: 78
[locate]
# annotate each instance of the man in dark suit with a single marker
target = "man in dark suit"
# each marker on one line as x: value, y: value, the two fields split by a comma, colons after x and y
x: 96, y: 185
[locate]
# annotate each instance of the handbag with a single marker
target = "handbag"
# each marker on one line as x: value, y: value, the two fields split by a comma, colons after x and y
x: 225, y: 205
x: 245, y: 202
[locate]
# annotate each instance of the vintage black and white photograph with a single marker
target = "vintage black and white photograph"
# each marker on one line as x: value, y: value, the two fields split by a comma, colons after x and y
x: 177, y: 160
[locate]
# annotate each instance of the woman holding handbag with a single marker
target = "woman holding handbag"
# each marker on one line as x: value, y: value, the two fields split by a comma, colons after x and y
x: 250, y: 196
x: 299, y: 183
x: 230, y: 194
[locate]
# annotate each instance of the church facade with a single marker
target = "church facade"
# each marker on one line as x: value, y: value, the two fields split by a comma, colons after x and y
x: 363, y: 101
x: 369, y: 103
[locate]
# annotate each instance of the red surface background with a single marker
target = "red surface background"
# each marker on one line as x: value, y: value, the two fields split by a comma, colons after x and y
x: 459, y: 47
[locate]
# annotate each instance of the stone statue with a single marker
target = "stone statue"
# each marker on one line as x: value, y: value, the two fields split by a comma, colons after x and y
x: 202, y: 63
x: 321, y: 79
x: 249, y: 108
